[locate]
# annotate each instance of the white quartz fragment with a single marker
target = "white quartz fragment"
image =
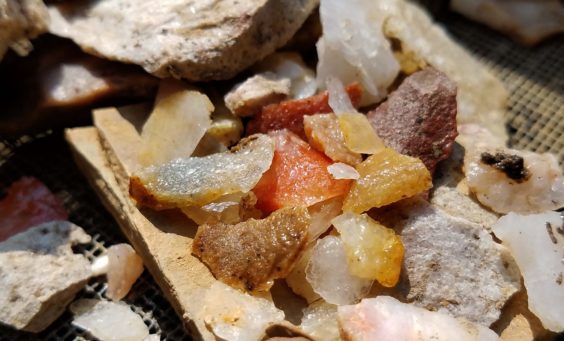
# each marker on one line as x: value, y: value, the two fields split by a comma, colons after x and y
x: 385, y: 318
x: 176, y: 125
x: 320, y: 321
x: 124, y: 268
x: 537, y: 244
x: 108, y: 321
x: 236, y: 316
x: 100, y: 265
x: 202, y: 180
x: 541, y: 189
x: 353, y: 46
x: 329, y: 275
x: 40, y: 274
x: 339, y: 100
x: 290, y: 65
x: 341, y: 170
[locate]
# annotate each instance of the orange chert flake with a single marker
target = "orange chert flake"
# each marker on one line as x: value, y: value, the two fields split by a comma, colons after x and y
x: 298, y: 176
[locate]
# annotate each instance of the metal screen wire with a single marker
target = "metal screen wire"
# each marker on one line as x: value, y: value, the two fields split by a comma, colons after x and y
x: 533, y: 76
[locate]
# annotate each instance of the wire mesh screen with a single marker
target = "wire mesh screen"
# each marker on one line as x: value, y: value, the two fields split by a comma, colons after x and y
x: 534, y: 77
x: 48, y: 158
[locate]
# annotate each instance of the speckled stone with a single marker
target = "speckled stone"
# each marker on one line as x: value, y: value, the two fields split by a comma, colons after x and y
x: 451, y: 265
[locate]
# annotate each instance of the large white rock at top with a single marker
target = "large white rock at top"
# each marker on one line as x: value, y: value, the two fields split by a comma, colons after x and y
x: 193, y: 39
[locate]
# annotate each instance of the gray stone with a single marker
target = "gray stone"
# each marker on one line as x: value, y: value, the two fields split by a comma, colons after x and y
x: 191, y: 39
x: 451, y: 265
x: 40, y: 275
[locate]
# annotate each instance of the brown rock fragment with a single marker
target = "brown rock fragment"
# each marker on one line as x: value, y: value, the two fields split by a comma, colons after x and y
x: 249, y: 255
x: 419, y: 118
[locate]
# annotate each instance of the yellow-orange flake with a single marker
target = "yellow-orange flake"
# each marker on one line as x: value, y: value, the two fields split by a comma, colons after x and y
x: 358, y: 133
x: 386, y: 177
x: 373, y: 250
x: 324, y: 134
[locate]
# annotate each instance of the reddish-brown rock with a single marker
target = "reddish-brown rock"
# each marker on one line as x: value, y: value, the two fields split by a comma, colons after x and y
x: 419, y: 118
x: 290, y: 114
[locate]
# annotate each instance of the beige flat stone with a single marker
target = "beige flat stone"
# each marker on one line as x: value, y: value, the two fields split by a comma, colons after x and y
x: 191, y: 39
x: 106, y: 155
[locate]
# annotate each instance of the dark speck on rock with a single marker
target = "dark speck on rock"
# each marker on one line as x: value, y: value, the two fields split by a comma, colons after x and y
x: 511, y: 165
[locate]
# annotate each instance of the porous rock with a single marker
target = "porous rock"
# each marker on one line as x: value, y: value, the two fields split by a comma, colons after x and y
x: 40, y: 275
x: 195, y: 40
x: 419, y: 118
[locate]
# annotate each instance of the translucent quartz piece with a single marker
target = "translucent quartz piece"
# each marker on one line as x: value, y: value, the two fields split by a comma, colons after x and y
x: 343, y: 171
x: 338, y: 99
x: 386, y: 177
x: 296, y: 279
x: 201, y: 180
x: 235, y: 316
x: 320, y: 321
x: 359, y: 135
x: 353, y: 46
x: 373, y: 251
x: 124, y: 268
x: 321, y: 215
x: 176, y: 125
x: 324, y: 134
x: 329, y: 275
x: 108, y: 320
